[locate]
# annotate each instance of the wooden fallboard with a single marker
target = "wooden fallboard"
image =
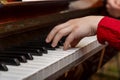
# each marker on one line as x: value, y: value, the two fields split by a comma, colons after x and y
x: 13, y: 11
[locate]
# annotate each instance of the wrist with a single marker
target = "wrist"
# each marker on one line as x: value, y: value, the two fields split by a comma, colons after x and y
x: 94, y: 23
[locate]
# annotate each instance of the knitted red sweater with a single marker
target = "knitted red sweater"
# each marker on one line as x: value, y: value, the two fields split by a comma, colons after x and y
x: 109, y: 31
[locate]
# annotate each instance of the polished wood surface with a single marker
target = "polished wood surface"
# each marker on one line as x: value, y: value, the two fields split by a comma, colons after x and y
x: 13, y: 11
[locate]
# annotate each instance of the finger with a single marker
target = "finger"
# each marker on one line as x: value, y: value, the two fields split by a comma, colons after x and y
x: 60, y: 34
x: 54, y: 31
x: 68, y: 41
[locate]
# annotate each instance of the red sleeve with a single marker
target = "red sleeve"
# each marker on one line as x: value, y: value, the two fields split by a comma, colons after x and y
x: 109, y: 31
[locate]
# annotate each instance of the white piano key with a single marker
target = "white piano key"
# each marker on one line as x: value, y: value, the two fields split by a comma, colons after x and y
x: 5, y: 77
x: 19, y: 71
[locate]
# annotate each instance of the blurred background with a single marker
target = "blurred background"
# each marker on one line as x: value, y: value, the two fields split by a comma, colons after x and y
x: 110, y: 71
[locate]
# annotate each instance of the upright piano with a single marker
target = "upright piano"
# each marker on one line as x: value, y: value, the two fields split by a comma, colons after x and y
x: 24, y: 55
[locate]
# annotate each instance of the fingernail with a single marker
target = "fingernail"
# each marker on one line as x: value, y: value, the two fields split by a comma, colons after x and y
x: 53, y: 45
x: 47, y: 40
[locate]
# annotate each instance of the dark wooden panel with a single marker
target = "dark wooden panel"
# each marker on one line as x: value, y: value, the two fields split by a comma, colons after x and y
x: 22, y: 10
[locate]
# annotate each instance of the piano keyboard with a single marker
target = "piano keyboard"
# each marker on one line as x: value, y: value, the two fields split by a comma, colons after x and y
x: 47, y: 64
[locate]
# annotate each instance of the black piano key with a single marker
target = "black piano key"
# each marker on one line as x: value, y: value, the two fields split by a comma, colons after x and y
x: 40, y: 44
x: 27, y: 55
x: 44, y: 50
x: 10, y: 61
x: 60, y: 43
x: 36, y: 52
x: 39, y: 49
x: 3, y: 67
x: 49, y: 48
x: 19, y: 57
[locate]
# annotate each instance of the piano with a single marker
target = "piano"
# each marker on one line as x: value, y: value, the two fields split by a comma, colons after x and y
x: 24, y: 55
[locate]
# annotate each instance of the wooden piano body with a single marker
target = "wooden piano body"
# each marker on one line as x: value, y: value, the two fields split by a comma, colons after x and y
x: 17, y: 28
